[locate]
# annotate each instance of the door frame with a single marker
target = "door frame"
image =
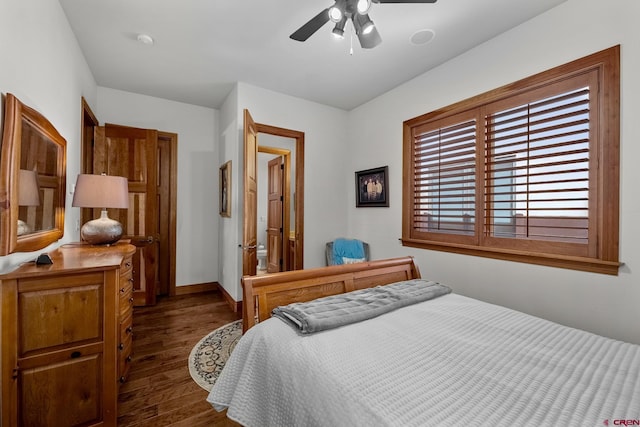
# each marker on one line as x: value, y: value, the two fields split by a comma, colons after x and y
x: 298, y: 201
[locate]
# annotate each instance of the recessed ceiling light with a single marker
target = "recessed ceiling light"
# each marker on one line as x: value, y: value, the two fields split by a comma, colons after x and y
x: 422, y: 36
x: 145, y: 39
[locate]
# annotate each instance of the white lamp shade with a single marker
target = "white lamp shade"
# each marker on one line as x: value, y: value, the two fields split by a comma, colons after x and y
x: 28, y: 190
x: 101, y: 191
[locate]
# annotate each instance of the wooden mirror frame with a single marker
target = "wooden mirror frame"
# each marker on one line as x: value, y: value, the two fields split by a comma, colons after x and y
x: 14, y: 115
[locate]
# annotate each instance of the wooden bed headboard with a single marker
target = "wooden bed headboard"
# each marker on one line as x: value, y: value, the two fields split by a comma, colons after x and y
x: 261, y: 294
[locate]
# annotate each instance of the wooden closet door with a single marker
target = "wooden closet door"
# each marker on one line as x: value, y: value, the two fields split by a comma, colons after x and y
x: 132, y: 153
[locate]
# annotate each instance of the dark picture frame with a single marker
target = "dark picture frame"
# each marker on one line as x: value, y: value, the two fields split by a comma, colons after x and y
x: 372, y: 187
x: 225, y: 189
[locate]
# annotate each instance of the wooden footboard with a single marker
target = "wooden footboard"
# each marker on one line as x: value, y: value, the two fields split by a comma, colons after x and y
x: 261, y: 294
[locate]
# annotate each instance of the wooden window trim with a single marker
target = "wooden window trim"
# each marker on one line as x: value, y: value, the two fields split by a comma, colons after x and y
x: 607, y: 133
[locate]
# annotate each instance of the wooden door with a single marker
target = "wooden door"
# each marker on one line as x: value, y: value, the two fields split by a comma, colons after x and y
x: 167, y: 202
x: 274, y: 215
x: 250, y: 227
x: 132, y: 153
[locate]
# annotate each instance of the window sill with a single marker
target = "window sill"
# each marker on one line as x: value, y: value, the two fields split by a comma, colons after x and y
x: 592, y: 265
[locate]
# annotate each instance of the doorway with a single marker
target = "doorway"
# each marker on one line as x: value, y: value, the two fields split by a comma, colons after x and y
x: 293, y: 250
x: 150, y: 221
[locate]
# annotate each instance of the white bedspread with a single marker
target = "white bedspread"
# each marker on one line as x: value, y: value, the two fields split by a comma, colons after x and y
x: 450, y: 361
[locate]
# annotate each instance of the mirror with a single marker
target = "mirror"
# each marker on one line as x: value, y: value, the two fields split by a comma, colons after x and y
x: 32, y: 180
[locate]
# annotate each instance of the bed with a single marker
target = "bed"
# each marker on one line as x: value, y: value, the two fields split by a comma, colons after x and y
x: 448, y: 360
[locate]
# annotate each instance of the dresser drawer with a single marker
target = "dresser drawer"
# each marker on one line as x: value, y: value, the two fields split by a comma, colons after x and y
x: 53, y: 316
x: 124, y: 363
x: 125, y: 347
x: 63, y: 394
x: 126, y: 266
x: 126, y: 332
x: 126, y: 297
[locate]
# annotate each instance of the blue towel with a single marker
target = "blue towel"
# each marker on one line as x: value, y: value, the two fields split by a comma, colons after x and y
x: 348, y: 248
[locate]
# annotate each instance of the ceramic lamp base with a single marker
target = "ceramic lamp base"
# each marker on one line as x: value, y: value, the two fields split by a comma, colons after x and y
x: 101, y: 231
x: 23, y: 228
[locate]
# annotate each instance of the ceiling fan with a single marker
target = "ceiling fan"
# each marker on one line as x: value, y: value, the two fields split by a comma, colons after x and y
x: 341, y: 12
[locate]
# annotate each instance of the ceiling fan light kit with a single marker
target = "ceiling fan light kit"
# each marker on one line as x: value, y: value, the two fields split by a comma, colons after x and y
x: 363, y: 6
x: 338, y: 30
x: 335, y: 13
x: 340, y: 13
x: 365, y: 24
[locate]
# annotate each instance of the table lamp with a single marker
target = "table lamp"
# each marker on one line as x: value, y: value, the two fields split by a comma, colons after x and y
x: 101, y: 191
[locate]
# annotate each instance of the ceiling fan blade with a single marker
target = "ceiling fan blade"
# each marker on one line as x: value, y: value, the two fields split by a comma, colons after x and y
x: 370, y: 40
x: 314, y: 24
x: 404, y: 1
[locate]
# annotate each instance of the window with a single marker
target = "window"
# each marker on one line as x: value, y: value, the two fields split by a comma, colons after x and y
x: 527, y: 172
x: 445, y: 183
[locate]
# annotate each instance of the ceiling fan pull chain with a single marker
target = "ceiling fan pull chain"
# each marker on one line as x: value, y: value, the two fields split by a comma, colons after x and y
x: 351, y: 39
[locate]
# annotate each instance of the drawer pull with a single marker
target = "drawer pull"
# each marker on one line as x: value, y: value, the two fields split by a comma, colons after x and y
x: 122, y: 379
x: 75, y: 354
x: 129, y: 358
x: 122, y: 290
x: 127, y: 264
x: 131, y: 279
x: 129, y: 329
x: 121, y: 346
x: 131, y: 300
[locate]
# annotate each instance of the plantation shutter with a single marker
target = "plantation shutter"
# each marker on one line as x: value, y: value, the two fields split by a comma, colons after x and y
x: 445, y: 177
x: 538, y: 164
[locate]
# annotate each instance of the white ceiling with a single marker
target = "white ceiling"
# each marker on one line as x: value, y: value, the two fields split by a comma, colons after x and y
x: 202, y: 47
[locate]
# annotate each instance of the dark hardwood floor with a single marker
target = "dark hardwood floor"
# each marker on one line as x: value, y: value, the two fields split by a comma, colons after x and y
x: 159, y: 390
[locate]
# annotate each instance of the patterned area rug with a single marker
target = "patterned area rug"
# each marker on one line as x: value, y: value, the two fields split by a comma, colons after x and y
x: 210, y: 354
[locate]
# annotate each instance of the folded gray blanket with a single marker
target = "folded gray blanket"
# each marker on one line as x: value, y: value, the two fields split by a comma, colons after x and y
x: 339, y: 310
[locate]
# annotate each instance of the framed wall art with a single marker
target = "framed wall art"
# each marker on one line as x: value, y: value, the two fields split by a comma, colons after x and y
x: 225, y: 189
x: 372, y: 187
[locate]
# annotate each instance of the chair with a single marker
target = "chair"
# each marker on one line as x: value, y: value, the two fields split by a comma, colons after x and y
x: 329, y: 252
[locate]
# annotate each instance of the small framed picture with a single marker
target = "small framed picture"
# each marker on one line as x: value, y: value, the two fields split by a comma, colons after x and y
x: 225, y: 189
x: 372, y: 187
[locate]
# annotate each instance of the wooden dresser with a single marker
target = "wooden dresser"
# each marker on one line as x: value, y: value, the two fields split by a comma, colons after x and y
x: 66, y: 337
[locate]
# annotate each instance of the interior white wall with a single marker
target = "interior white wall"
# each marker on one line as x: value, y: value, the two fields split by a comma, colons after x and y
x: 197, y: 198
x: 42, y: 64
x: 229, y: 227
x: 607, y: 305
x: 228, y: 251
